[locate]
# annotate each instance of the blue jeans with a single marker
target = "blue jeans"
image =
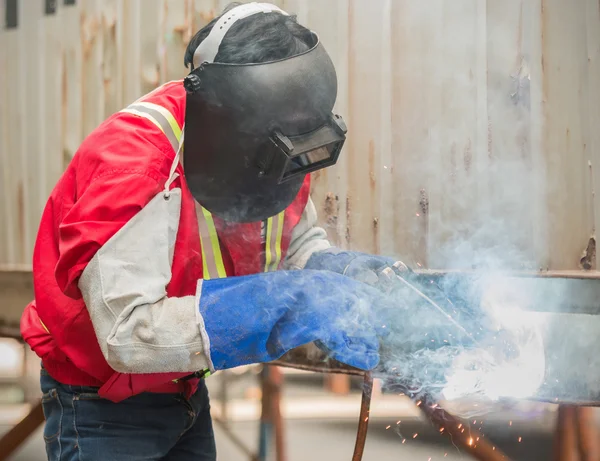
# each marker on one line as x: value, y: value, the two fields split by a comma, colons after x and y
x: 81, y: 426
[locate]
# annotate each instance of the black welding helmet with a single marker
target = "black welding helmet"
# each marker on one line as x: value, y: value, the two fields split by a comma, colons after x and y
x: 254, y: 131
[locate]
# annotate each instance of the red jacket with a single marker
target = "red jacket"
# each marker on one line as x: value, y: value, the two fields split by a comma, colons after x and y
x: 117, y: 170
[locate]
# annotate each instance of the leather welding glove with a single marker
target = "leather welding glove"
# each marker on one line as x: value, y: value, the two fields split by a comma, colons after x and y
x: 362, y: 267
x: 258, y: 318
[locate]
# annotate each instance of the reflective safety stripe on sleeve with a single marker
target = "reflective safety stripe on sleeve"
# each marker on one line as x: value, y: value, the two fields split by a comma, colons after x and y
x: 159, y: 120
x: 168, y: 116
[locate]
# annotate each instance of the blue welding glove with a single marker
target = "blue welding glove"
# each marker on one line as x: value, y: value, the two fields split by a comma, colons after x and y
x: 258, y: 318
x: 362, y: 267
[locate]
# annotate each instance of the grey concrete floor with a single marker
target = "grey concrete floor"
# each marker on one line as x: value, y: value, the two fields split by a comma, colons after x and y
x: 332, y: 438
x: 334, y: 441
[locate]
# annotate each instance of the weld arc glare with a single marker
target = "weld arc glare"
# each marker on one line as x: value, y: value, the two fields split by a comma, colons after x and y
x: 456, y: 339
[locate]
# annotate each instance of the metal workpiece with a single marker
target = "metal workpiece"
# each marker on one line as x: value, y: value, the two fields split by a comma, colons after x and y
x: 546, y: 323
x: 572, y: 363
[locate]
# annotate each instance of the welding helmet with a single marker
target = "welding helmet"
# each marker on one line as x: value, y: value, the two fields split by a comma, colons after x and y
x: 254, y: 131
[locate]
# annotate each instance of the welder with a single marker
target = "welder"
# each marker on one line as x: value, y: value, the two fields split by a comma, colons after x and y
x: 181, y: 240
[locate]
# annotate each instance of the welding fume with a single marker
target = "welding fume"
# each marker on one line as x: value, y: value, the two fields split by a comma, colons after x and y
x: 182, y: 240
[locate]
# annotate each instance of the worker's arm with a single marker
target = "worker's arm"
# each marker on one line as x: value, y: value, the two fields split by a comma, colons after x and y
x: 139, y: 328
x: 228, y: 322
x: 307, y: 238
x: 310, y: 249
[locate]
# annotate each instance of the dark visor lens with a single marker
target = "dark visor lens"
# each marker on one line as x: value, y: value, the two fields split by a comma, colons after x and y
x: 310, y: 160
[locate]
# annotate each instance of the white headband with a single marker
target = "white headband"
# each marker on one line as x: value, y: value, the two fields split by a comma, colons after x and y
x: 208, y: 49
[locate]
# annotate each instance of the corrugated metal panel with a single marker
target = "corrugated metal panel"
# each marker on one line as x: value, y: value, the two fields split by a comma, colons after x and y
x: 474, y: 124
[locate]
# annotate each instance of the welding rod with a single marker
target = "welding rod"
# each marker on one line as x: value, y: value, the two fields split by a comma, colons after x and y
x: 390, y: 273
x: 363, y: 422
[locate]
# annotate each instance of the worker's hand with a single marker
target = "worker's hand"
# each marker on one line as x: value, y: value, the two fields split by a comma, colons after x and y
x: 370, y: 269
x: 258, y: 318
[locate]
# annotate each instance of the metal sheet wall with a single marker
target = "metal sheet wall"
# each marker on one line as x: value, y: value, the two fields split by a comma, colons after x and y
x: 474, y: 124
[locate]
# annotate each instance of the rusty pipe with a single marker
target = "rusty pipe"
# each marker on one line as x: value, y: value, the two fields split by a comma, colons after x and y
x: 462, y: 435
x: 363, y: 421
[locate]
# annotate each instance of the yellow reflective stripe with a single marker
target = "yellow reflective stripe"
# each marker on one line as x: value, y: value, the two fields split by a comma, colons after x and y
x: 273, y: 242
x: 278, y: 240
x: 214, y: 240
x: 166, y: 114
x: 158, y: 117
x: 144, y: 115
x: 268, y: 255
x: 207, y: 272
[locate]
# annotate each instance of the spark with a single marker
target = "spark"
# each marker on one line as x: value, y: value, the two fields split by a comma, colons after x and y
x: 441, y: 429
x: 494, y: 448
x: 403, y: 440
x: 520, y: 438
x: 419, y: 403
x: 460, y: 425
x: 462, y: 430
x: 474, y: 421
x: 477, y: 439
x: 445, y: 454
x: 366, y: 419
x: 470, y: 441
x: 415, y: 436
x: 398, y: 422
x: 418, y: 215
x: 510, y: 423
x: 388, y: 427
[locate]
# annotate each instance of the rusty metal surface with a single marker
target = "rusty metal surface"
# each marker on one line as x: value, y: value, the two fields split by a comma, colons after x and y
x: 472, y: 128
x: 576, y: 436
x: 568, y: 292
